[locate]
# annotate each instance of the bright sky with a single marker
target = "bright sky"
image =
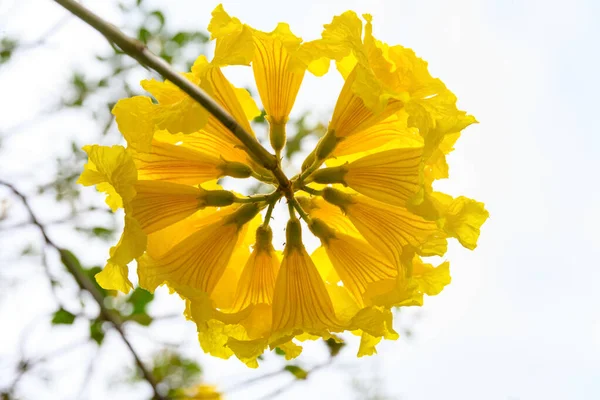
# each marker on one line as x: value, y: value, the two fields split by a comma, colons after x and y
x: 520, y: 319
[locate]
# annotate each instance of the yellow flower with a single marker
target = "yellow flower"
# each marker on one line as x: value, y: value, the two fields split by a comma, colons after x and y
x: 387, y: 228
x: 356, y: 262
x: 112, y: 170
x: 301, y: 303
x: 257, y: 281
x: 199, y: 260
x: 199, y: 392
x: 373, y: 207
x: 391, y: 176
x: 278, y: 59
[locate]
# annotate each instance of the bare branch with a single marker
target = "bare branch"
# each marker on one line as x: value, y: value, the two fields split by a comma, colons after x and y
x: 87, y: 285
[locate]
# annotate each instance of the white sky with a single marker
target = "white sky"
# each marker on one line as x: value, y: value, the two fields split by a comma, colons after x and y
x: 520, y: 319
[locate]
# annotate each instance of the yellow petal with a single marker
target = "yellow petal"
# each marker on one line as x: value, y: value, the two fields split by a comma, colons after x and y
x: 138, y: 118
x: 462, y: 218
x: 376, y: 321
x: 278, y: 77
x: 357, y: 263
x: 352, y: 115
x: 164, y: 240
x: 367, y: 345
x: 324, y: 265
x: 329, y: 213
x: 431, y: 280
x: 258, y: 277
x: 234, y: 40
x: 135, y: 119
x: 131, y: 245
x: 113, y: 171
x: 291, y: 350
x: 391, y: 132
x: 247, y: 351
x: 391, y: 176
x: 169, y: 162
x: 198, y: 261
x: 114, y: 277
x: 300, y: 301
x: 248, y: 104
x: 160, y: 204
x: 223, y: 92
x: 202, y: 392
x: 344, y: 304
x: 387, y: 228
x: 223, y: 295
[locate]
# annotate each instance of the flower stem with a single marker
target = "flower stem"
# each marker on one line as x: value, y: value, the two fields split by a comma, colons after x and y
x: 259, y: 198
x: 269, y: 213
x: 303, y: 214
x: 312, y: 191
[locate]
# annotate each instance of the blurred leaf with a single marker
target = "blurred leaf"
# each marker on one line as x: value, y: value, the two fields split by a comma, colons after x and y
x: 97, y: 231
x: 180, y: 38
x: 142, y: 319
x: 279, y: 352
x: 140, y: 299
x: 334, y: 346
x: 174, y: 371
x: 7, y: 48
x: 62, y: 316
x: 261, y: 118
x: 29, y: 250
x: 91, y: 274
x: 298, y: 372
x: 143, y: 35
x: 68, y: 258
x: 97, y: 331
x: 160, y: 17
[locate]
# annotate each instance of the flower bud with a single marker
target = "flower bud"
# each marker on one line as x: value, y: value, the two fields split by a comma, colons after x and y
x: 331, y: 175
x: 235, y: 169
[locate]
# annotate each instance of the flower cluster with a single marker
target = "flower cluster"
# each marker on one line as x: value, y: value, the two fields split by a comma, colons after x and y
x: 366, y: 192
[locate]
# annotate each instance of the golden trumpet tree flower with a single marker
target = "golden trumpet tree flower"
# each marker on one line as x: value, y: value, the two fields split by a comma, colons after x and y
x: 367, y: 187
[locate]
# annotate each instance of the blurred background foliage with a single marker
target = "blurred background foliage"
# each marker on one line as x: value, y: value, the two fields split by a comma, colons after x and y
x: 92, y: 96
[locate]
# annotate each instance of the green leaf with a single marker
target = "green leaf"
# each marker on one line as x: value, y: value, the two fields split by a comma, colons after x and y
x: 63, y: 317
x: 298, y: 372
x: 97, y: 331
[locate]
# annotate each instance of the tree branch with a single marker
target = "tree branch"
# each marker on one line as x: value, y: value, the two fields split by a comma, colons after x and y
x: 87, y: 285
x: 140, y: 52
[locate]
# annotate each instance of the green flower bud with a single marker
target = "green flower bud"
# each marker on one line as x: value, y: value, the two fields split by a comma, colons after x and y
x: 330, y: 175
x: 337, y: 197
x: 235, y: 169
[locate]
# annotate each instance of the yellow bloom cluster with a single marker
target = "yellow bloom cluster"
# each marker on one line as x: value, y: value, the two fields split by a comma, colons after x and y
x: 368, y: 193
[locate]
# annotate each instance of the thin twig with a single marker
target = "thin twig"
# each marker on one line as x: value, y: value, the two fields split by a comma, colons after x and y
x: 87, y: 285
x: 289, y: 385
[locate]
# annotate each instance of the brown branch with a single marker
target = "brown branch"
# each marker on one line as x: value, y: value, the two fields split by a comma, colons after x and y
x: 87, y: 285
